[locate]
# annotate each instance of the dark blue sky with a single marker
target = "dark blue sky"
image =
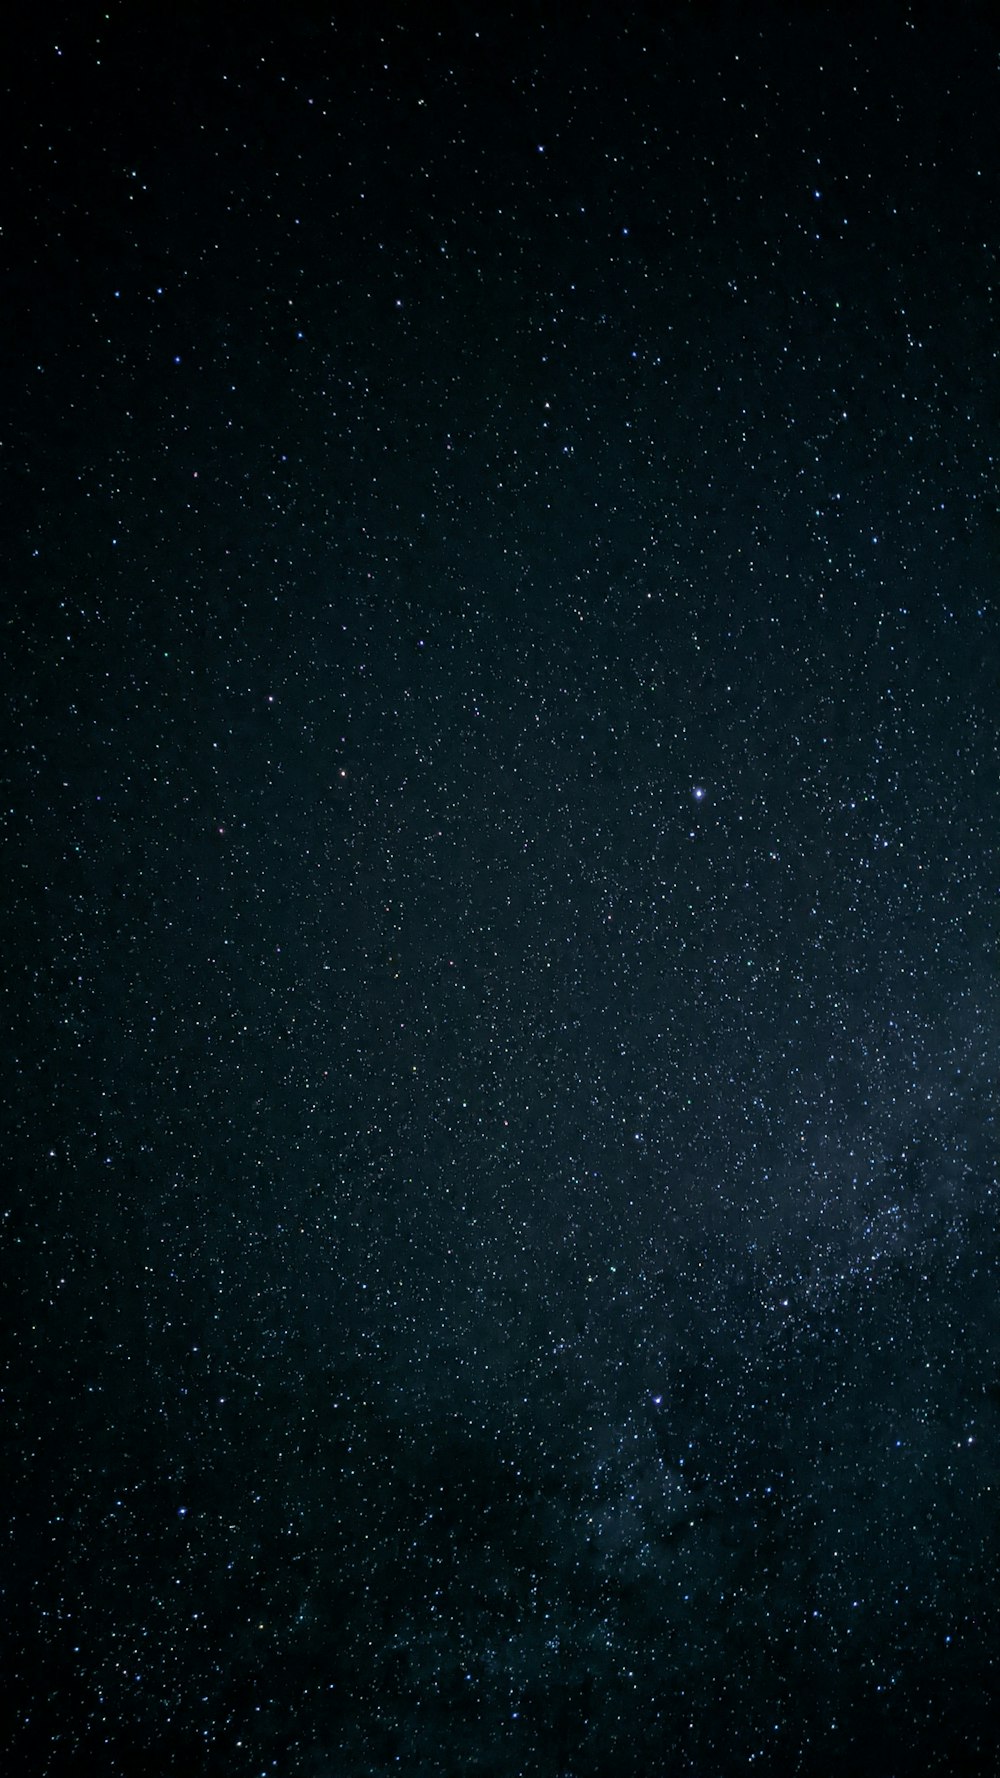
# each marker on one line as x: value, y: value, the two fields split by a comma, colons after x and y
x: 502, y: 817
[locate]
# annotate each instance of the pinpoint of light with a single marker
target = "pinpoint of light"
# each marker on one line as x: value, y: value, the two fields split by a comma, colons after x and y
x: 698, y: 792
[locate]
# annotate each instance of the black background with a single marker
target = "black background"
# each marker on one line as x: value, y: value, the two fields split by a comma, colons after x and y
x: 500, y: 517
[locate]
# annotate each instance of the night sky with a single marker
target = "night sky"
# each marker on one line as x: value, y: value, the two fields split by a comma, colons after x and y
x: 500, y: 531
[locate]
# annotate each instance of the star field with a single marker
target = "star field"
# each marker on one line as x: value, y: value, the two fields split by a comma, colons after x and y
x: 502, y: 815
